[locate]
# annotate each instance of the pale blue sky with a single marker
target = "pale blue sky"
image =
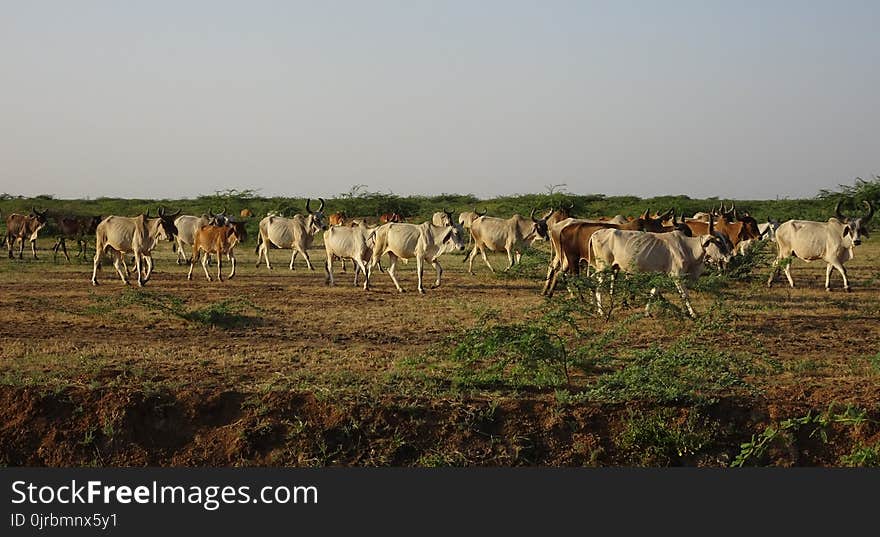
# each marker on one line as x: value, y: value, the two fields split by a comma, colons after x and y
x: 161, y: 99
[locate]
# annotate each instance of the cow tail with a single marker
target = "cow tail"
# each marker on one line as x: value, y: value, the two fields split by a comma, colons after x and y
x: 258, y: 241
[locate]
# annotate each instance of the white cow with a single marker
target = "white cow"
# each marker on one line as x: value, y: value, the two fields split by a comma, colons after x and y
x: 138, y: 235
x: 467, y: 218
x: 425, y: 242
x: 673, y: 253
x: 512, y: 235
x: 350, y: 242
x: 296, y: 233
x: 832, y: 241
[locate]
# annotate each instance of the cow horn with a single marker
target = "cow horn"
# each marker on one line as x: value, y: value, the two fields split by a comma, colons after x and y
x: 175, y: 213
x: 546, y: 216
x: 148, y: 214
x: 211, y: 214
x: 485, y: 211
x: 570, y: 205
x: 837, y: 212
x: 224, y: 210
x: 645, y: 214
x: 308, y: 205
x: 161, y: 211
x: 321, y: 208
x: 532, y: 215
x: 870, y: 211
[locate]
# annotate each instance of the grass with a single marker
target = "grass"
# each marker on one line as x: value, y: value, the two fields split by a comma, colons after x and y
x: 663, y: 438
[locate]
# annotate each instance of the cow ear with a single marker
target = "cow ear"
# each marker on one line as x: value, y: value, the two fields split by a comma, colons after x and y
x: 447, y: 236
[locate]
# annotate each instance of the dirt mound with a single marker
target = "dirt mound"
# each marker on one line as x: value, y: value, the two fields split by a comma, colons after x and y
x: 116, y: 427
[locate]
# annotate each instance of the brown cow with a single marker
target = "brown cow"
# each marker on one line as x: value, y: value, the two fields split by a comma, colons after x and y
x: 19, y: 227
x: 217, y: 240
x: 246, y: 213
x: 74, y: 227
x: 732, y: 232
x: 390, y: 217
x: 337, y: 219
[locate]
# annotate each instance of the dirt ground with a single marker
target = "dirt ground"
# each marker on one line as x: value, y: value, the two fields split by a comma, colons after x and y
x: 298, y: 373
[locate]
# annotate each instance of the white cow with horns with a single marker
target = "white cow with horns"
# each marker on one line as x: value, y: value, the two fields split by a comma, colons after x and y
x: 137, y: 235
x: 296, y: 233
x: 425, y: 242
x: 676, y: 254
x: 832, y: 241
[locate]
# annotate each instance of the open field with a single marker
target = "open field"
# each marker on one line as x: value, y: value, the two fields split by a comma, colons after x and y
x: 275, y: 368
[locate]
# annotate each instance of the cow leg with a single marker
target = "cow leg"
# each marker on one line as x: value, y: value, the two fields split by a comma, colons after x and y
x: 392, y: 268
x: 219, y: 267
x: 650, y: 299
x: 123, y: 270
x: 439, y: 270
x: 509, y: 259
x: 362, y: 266
x: 192, y: 263
x: 181, y: 255
x: 343, y: 266
x: 788, y: 273
x: 138, y: 265
x: 293, y: 258
x: 842, y: 270
x: 518, y: 257
x: 96, y: 265
x: 682, y: 290
x: 420, y: 268
x: 599, y: 279
x: 232, y: 260
x: 55, y: 249
x: 21, y: 248
x: 357, y: 270
x: 470, y: 259
x: 828, y: 269
x: 264, y: 250
x: 64, y: 249
x: 33, y: 247
x: 309, y: 260
x: 328, y: 269
x: 205, y: 266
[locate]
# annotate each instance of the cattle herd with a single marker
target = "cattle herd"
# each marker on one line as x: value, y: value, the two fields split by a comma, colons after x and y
x: 663, y: 243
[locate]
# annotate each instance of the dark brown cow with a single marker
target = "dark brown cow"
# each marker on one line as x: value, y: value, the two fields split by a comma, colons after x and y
x: 74, y: 227
x: 19, y: 227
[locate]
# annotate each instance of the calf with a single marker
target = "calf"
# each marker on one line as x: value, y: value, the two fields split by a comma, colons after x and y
x: 19, y: 227
x: 74, y: 227
x: 218, y: 240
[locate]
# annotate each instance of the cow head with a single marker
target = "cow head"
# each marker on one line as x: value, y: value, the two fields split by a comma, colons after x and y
x: 38, y: 216
x: 855, y: 227
x: 716, y: 246
x: 647, y: 223
x: 316, y: 218
x: 92, y: 225
x: 238, y: 229
x: 166, y: 223
x: 749, y: 228
x: 541, y: 224
x: 452, y: 239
